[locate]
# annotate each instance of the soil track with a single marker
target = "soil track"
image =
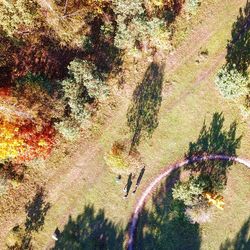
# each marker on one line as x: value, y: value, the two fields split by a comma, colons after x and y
x: 165, y: 173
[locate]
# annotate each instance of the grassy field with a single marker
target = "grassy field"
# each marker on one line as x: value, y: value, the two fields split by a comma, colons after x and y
x: 81, y: 179
x: 164, y: 226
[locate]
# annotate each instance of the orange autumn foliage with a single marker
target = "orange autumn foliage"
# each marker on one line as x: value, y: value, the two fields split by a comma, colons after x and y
x: 22, y: 141
x: 216, y: 200
x: 5, y: 91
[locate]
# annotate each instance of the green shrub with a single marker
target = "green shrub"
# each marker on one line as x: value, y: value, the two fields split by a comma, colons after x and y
x: 128, y: 9
x: 85, y: 75
x: 231, y: 83
x: 134, y: 26
x: 188, y: 192
x: 154, y: 31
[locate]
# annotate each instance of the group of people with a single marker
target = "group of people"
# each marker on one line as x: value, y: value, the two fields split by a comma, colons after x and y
x: 129, y: 183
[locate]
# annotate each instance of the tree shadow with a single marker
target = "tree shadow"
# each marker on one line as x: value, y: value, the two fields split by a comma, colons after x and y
x: 36, y: 211
x: 214, y: 139
x: 241, y: 240
x: 142, y: 115
x: 46, y: 58
x: 238, y: 49
x: 90, y: 230
x: 99, y: 48
x: 165, y: 226
x: 172, y: 11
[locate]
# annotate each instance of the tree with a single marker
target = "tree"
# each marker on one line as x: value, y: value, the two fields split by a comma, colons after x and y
x: 25, y: 134
x: 231, y: 83
x: 22, y: 140
x: 133, y: 26
x: 84, y: 86
x: 18, y: 16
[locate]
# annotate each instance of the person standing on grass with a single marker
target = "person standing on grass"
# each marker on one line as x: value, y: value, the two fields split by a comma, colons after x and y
x: 128, y: 185
x: 139, y: 179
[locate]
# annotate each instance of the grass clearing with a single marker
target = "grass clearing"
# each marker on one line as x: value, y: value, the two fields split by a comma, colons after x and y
x: 161, y: 225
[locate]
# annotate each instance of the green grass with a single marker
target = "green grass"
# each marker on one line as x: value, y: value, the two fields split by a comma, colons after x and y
x: 180, y: 120
x: 163, y: 226
x: 177, y: 127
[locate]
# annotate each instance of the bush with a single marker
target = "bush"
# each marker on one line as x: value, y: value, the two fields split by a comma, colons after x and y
x: 153, y: 31
x: 133, y: 26
x: 128, y: 9
x: 85, y: 75
x: 198, y: 214
x: 115, y: 161
x: 189, y: 192
x: 231, y: 83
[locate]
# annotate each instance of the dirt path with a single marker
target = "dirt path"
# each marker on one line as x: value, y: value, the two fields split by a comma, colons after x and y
x: 168, y: 170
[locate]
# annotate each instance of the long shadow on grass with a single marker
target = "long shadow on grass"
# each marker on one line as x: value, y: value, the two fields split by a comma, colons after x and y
x: 90, y: 230
x: 164, y: 226
x: 142, y: 115
x: 36, y: 211
x: 214, y: 139
x: 238, y: 49
x: 241, y: 240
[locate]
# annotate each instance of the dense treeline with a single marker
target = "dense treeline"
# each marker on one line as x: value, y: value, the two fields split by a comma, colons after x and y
x: 56, y: 57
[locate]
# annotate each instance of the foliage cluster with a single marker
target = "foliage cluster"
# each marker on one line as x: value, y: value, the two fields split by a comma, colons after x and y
x: 232, y: 79
x: 134, y: 28
x: 207, y: 179
x: 18, y: 16
x: 191, y: 5
x: 82, y: 91
x: 115, y: 158
x: 24, y: 140
x: 231, y: 83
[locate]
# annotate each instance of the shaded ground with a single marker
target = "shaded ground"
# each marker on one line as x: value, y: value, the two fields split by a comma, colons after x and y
x: 165, y: 226
x: 143, y: 112
x: 238, y: 49
x: 241, y: 240
x: 214, y: 139
x: 90, y: 230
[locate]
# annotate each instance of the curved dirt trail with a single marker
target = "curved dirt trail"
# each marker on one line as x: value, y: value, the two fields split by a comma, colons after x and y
x: 159, y: 178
